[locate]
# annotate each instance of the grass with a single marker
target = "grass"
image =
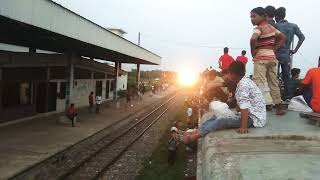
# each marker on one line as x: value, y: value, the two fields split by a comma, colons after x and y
x: 156, y: 167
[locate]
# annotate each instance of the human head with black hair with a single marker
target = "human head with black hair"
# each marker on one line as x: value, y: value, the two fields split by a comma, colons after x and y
x: 212, y: 75
x: 243, y: 52
x: 225, y: 74
x: 258, y: 15
x: 226, y: 50
x: 237, y: 71
x: 270, y: 11
x: 72, y: 105
x: 295, y: 72
x: 280, y: 14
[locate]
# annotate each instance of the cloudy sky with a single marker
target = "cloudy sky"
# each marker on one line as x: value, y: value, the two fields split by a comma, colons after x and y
x: 193, y: 32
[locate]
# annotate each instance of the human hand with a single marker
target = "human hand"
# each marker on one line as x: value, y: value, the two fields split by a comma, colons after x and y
x: 243, y: 130
x: 293, y: 52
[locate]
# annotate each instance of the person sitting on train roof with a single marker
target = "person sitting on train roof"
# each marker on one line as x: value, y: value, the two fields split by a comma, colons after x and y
x: 294, y: 83
x: 250, y: 102
x: 311, y: 88
x: 212, y: 91
x: 225, y: 60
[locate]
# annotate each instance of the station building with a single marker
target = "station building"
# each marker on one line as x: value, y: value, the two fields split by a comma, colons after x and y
x: 58, y: 66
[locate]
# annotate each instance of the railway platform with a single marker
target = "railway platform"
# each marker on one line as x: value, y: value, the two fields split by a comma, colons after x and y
x: 27, y: 143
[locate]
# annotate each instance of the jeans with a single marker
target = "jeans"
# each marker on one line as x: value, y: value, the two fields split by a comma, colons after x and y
x: 307, y: 95
x: 285, y: 76
x: 215, y: 123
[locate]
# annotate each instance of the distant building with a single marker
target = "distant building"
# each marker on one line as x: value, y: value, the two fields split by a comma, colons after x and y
x: 48, y: 63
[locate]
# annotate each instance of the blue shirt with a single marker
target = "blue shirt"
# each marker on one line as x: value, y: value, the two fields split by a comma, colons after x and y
x: 289, y: 30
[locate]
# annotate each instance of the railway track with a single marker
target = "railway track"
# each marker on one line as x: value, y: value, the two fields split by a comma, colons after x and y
x: 89, y: 158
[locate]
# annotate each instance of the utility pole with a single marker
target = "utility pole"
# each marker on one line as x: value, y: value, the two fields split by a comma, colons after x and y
x: 139, y: 39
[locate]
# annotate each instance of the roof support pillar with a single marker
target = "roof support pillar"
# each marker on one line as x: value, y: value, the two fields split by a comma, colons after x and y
x: 47, y: 90
x: 70, y: 80
x: 138, y: 76
x: 32, y: 50
x: 116, y: 69
x: 1, y: 87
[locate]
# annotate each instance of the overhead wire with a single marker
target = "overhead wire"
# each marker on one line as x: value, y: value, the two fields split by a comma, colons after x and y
x: 187, y: 44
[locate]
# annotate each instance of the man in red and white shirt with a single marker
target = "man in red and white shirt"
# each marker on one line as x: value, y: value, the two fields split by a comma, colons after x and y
x: 243, y: 58
x: 225, y: 60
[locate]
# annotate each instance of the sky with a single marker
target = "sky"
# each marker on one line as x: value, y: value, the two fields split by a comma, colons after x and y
x: 192, y: 33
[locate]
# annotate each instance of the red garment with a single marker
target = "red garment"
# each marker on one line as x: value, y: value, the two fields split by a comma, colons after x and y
x: 71, y: 111
x: 90, y: 99
x: 242, y: 59
x: 313, y: 78
x: 225, y: 61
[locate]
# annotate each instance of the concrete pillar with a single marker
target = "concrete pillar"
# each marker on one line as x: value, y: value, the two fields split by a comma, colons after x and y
x: 1, y: 86
x: 47, y: 90
x: 32, y: 50
x: 138, y: 76
x: 92, y: 84
x: 116, y: 72
x: 70, y: 80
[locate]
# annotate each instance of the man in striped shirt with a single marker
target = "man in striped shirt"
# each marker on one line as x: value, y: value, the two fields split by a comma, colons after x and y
x: 263, y: 46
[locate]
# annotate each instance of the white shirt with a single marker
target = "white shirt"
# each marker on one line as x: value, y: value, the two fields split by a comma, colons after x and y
x: 189, y: 112
x: 249, y: 97
x: 98, y: 99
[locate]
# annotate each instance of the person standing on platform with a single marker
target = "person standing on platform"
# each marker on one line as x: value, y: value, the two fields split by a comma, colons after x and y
x: 72, y: 114
x: 270, y: 11
x: 225, y: 60
x: 189, y: 113
x: 143, y: 89
x: 263, y: 45
x: 283, y: 53
x: 98, y: 103
x: 91, y: 100
x: 243, y: 57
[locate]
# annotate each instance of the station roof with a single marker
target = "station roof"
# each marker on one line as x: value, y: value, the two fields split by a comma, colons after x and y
x: 44, y: 24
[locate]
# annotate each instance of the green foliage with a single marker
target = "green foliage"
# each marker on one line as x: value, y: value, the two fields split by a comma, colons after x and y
x: 156, y: 167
